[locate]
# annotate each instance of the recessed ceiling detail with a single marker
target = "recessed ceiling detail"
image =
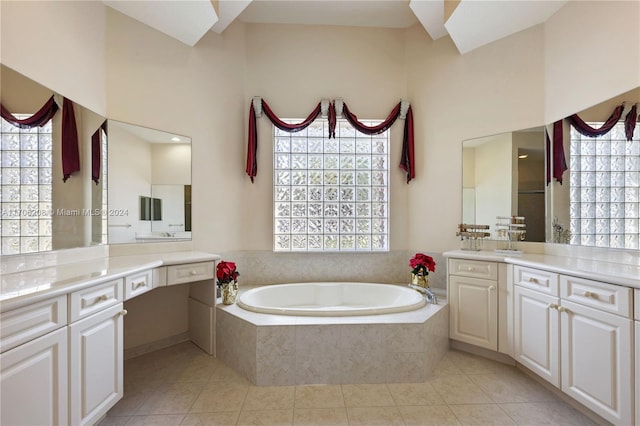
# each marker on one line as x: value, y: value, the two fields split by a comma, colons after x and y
x: 473, y: 23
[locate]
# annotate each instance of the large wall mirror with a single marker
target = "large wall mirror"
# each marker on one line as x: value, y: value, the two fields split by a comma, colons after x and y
x: 134, y: 185
x: 149, y: 187
x: 503, y: 175
x: 40, y: 212
x: 598, y: 202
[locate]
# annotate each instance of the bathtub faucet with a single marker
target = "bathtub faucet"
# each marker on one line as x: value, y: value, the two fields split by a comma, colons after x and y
x: 429, y: 295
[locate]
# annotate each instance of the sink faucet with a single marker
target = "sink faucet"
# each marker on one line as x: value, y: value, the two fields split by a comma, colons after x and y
x: 429, y: 295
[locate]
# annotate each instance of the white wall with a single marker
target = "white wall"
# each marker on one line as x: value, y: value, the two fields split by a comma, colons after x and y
x: 60, y: 44
x: 493, y: 180
x: 129, y: 178
x: 591, y: 53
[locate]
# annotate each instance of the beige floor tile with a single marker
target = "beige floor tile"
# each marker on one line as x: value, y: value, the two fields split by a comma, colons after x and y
x: 383, y: 416
x: 269, y: 398
x: 220, y: 396
x: 512, y: 387
x: 171, y: 398
x: 474, y: 364
x: 320, y: 417
x: 319, y: 396
x: 266, y: 418
x: 459, y: 390
x: 546, y: 413
x: 446, y: 367
x: 224, y: 418
x: 414, y: 394
x: 428, y: 415
x: 373, y: 395
x: 481, y: 414
x: 114, y: 421
x: 224, y: 373
x: 156, y: 420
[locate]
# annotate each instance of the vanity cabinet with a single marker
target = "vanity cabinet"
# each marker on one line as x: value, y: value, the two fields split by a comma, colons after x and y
x: 95, y: 365
x: 578, y: 335
x: 479, y: 302
x: 33, y: 382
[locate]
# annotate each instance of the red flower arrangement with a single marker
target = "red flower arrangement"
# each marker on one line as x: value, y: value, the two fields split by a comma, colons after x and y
x: 226, y: 272
x: 421, y: 264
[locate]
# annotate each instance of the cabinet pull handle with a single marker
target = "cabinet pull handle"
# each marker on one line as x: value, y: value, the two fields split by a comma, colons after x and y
x: 124, y: 312
x: 138, y: 284
x: 588, y: 294
x: 562, y: 309
x: 552, y: 306
x: 533, y: 280
x: 103, y: 298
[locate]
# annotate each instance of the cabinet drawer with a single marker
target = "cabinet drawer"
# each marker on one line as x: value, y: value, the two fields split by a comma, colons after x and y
x: 605, y: 297
x: 189, y: 272
x: 93, y: 299
x: 473, y: 268
x: 536, y: 279
x: 136, y: 284
x: 24, y: 324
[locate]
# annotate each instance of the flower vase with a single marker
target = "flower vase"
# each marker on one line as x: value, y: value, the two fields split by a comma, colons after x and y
x: 229, y: 293
x: 420, y: 280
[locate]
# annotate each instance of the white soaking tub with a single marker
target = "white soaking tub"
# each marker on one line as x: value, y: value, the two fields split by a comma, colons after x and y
x: 331, y: 299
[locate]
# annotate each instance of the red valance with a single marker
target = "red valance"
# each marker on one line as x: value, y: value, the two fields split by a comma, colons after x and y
x: 39, y: 119
x: 70, y: 151
x: 407, y: 161
x: 96, y: 152
x: 559, y: 160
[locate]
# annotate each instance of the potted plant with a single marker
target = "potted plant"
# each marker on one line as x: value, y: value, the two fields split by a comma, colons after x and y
x: 421, y: 265
x: 227, y: 281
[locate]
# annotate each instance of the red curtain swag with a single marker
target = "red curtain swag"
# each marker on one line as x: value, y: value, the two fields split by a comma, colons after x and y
x: 40, y: 118
x: 406, y: 162
x: 559, y: 160
x: 96, y: 152
x: 70, y: 152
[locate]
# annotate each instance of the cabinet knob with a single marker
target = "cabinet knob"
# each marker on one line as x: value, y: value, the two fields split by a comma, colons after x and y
x: 491, y: 287
x: 124, y: 312
x: 470, y: 269
x: 194, y: 272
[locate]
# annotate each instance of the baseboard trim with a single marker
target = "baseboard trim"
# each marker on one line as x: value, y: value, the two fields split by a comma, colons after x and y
x: 486, y: 353
x: 157, y: 345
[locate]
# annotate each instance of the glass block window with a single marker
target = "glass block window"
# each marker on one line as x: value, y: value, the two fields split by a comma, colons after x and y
x: 604, y: 189
x: 331, y: 194
x: 25, y: 188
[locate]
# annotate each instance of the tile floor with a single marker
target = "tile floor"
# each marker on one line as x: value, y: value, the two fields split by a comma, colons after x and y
x: 181, y: 385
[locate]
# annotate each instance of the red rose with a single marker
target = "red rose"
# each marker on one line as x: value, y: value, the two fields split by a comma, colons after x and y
x: 421, y: 264
x: 226, y: 272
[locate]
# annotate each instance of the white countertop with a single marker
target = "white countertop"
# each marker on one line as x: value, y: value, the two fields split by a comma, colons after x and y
x: 22, y: 288
x: 610, y: 272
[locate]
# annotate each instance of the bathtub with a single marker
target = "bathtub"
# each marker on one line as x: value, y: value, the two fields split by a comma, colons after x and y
x: 331, y: 299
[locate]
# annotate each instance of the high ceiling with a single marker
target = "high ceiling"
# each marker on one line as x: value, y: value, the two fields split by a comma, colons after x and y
x: 469, y: 23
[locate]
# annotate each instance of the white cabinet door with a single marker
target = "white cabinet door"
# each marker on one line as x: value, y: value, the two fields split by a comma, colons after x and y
x: 96, y: 365
x: 474, y: 315
x: 536, y: 332
x: 33, y: 382
x: 597, y: 370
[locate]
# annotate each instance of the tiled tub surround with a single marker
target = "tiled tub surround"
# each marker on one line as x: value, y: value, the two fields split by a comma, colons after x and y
x: 262, y: 267
x: 291, y: 350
